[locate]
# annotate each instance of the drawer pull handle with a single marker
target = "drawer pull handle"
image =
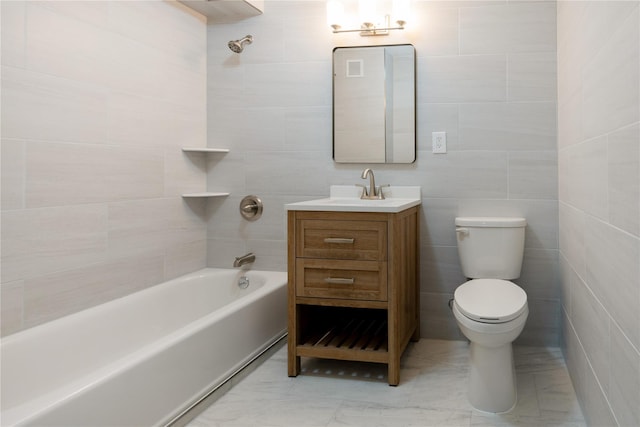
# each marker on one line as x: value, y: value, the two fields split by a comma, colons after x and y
x: 339, y: 280
x: 343, y: 240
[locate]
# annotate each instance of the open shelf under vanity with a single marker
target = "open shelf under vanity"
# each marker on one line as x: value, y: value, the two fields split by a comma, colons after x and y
x: 344, y: 333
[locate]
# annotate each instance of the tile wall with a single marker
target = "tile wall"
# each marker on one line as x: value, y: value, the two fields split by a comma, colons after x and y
x: 97, y: 100
x: 599, y: 204
x: 486, y: 74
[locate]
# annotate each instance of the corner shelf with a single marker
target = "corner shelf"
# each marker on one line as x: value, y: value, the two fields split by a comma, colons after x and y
x: 226, y: 11
x: 204, y: 194
x: 204, y: 150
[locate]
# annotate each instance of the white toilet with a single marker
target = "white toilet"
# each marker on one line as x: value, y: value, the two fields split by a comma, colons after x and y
x: 490, y: 310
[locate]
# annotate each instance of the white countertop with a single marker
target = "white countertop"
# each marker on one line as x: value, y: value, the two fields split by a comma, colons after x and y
x: 346, y: 198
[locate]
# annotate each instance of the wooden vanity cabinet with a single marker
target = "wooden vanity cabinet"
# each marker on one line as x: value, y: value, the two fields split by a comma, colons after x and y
x: 353, y: 286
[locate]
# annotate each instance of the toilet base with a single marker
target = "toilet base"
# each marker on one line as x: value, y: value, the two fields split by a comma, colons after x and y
x: 492, y: 378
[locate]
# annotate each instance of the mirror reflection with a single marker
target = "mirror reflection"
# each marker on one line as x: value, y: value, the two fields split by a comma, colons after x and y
x: 374, y: 104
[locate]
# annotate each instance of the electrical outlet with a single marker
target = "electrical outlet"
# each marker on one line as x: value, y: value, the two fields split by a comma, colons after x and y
x: 439, y: 142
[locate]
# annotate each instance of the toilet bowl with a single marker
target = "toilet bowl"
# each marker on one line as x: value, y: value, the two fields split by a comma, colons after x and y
x: 490, y: 310
x: 492, y: 381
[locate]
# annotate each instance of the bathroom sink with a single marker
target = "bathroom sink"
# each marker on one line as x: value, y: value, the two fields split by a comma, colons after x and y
x: 346, y: 198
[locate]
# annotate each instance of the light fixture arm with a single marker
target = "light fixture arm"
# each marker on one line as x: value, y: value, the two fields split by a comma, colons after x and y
x: 336, y: 29
x: 369, y: 29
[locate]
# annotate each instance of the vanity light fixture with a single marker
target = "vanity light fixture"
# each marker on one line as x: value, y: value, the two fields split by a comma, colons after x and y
x: 372, y: 23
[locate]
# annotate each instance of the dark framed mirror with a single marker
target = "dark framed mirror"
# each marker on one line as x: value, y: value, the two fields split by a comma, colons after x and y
x: 374, y: 111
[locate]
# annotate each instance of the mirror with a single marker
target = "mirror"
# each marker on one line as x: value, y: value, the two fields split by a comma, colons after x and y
x: 374, y: 104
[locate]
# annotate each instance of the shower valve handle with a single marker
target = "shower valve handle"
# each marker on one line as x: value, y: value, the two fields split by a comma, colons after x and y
x: 251, y: 208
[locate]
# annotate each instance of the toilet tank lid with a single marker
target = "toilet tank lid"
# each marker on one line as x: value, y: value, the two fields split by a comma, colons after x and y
x: 490, y: 221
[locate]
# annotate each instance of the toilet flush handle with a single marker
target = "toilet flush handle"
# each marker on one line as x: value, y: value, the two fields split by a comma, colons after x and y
x: 462, y: 230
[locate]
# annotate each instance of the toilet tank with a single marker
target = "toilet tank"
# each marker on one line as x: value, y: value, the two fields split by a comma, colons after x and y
x: 490, y: 247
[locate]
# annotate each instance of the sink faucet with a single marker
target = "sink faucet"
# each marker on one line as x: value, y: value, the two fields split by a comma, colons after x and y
x: 244, y: 259
x: 373, y: 193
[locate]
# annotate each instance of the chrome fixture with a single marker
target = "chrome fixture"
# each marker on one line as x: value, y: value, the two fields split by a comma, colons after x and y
x: 251, y: 208
x: 243, y: 282
x: 372, y: 23
x: 238, y: 45
x: 373, y: 193
x: 244, y: 259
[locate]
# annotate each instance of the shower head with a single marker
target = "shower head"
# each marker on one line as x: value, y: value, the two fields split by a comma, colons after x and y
x: 238, y: 45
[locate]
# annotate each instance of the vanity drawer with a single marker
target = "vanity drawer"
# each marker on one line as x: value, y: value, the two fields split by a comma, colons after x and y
x: 337, y: 239
x: 358, y: 280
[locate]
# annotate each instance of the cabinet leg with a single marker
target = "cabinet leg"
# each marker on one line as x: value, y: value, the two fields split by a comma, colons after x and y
x: 294, y: 365
x: 394, y: 373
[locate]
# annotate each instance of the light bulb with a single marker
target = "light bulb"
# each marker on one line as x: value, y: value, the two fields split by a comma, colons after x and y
x: 401, y: 11
x: 335, y: 13
x: 367, y: 11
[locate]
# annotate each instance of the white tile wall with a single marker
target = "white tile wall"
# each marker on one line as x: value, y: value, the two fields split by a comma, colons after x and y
x: 599, y: 180
x: 485, y: 75
x: 462, y: 78
x: 97, y: 100
x: 624, y: 187
x: 613, y: 273
x: 44, y: 107
x: 525, y: 76
x: 508, y: 126
x: 36, y: 242
x: 13, y: 154
x: 610, y: 86
x: 587, y: 177
x: 54, y: 295
x: 533, y: 175
x: 515, y: 27
x: 592, y: 325
x: 624, y: 388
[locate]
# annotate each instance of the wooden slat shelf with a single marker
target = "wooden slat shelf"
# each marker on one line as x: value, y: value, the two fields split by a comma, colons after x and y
x: 357, y: 334
x: 352, y: 339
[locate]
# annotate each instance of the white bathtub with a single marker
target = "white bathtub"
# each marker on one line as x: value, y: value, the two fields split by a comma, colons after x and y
x: 143, y: 359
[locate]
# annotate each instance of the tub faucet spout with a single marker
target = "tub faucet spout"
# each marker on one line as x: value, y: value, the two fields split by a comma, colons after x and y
x: 244, y: 259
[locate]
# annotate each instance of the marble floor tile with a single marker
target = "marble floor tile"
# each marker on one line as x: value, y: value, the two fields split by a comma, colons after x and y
x: 441, y: 388
x: 352, y: 414
x: 555, y: 393
x: 432, y: 392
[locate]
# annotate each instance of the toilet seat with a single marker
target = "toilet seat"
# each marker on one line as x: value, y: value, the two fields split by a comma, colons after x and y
x: 490, y: 300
